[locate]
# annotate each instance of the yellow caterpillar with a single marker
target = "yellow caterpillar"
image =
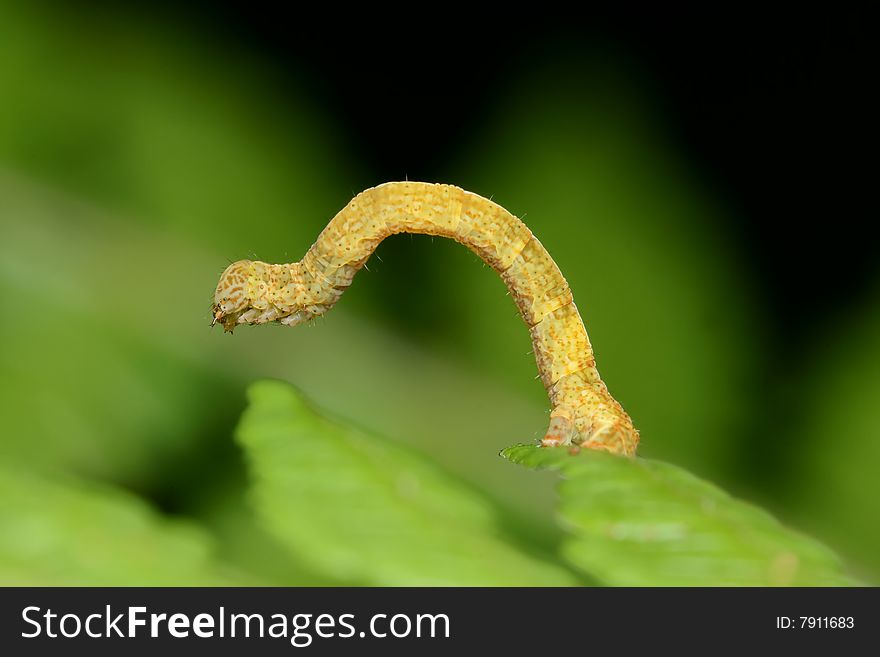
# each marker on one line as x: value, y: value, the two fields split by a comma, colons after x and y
x: 583, y: 411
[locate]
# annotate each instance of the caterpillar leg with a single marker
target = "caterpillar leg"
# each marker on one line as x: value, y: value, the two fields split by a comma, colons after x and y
x: 592, y: 427
x: 560, y: 432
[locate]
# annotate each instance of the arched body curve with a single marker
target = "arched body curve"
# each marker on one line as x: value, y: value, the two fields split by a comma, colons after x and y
x: 583, y: 411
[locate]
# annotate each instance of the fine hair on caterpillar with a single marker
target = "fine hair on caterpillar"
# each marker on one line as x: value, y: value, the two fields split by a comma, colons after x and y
x: 583, y: 411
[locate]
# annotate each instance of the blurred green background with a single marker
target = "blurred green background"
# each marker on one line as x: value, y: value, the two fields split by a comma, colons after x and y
x: 143, y: 149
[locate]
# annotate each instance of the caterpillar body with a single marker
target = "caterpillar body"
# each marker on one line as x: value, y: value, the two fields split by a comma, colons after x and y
x: 583, y: 411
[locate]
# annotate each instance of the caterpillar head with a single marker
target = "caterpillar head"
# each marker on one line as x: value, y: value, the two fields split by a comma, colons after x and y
x: 254, y: 292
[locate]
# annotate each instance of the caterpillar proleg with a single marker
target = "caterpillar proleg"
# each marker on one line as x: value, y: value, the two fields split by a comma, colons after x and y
x: 583, y: 411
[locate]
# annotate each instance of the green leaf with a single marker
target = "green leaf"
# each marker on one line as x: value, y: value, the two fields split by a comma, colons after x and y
x: 362, y: 509
x: 67, y: 533
x: 636, y: 522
